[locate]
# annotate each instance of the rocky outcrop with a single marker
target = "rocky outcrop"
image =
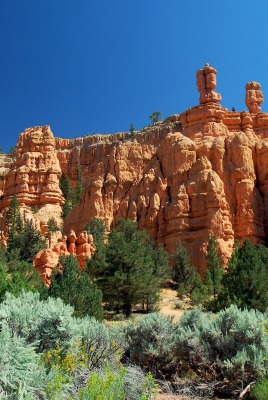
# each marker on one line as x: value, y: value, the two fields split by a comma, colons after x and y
x: 34, y: 178
x: 199, y: 173
x: 81, y: 247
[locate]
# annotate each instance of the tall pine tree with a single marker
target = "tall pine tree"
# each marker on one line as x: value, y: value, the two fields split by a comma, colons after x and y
x: 214, y: 272
x: 129, y: 270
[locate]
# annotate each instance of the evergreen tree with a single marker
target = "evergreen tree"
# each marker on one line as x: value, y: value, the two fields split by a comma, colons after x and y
x: 75, y: 288
x: 14, y: 221
x: 155, y: 116
x: 78, y: 191
x: 215, y: 271
x: 25, y: 243
x: 71, y: 195
x: 97, y: 229
x: 246, y: 280
x: 130, y: 270
x: 183, y: 272
x: 131, y: 129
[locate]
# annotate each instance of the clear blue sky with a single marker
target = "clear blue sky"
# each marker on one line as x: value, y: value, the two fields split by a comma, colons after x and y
x: 84, y: 66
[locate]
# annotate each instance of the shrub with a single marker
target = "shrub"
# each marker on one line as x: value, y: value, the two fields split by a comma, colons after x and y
x: 46, y: 323
x: 245, y: 282
x: 21, y: 375
x: 260, y: 390
x: 97, y: 343
x: 230, y: 345
x: 151, y: 341
x: 118, y: 384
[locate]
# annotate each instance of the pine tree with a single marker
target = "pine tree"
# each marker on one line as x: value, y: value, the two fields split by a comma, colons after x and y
x: 14, y: 221
x: 246, y: 280
x: 25, y: 243
x: 215, y: 271
x: 183, y: 272
x: 75, y: 288
x: 130, y: 270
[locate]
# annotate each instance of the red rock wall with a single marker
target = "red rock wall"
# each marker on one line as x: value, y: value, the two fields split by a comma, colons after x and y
x: 199, y: 173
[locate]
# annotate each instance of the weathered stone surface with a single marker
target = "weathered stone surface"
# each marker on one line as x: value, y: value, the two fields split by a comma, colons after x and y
x: 81, y: 247
x: 254, y: 97
x: 199, y: 173
x: 206, y: 83
x: 34, y: 178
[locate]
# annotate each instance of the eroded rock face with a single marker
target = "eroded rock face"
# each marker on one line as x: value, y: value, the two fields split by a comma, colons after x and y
x: 81, y: 247
x: 254, y: 97
x: 34, y: 178
x: 203, y: 172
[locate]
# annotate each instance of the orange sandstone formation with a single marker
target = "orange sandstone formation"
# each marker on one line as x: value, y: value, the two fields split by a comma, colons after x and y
x: 82, y: 247
x: 203, y: 172
x: 34, y: 178
x: 254, y: 97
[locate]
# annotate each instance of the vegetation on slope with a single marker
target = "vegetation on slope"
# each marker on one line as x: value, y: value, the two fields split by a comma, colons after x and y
x: 53, y: 347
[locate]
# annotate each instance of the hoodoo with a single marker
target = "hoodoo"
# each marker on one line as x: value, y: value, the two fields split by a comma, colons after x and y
x: 199, y: 173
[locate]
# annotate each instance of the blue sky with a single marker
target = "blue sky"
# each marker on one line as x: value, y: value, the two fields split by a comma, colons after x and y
x: 84, y: 66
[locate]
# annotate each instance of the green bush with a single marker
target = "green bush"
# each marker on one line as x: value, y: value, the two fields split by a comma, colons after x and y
x: 97, y: 343
x: 151, y: 341
x: 45, y: 323
x: 118, y: 384
x: 21, y: 375
x: 245, y: 282
x: 260, y: 390
x: 229, y: 345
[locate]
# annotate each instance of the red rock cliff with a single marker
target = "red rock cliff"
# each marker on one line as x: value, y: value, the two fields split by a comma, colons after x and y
x: 199, y: 173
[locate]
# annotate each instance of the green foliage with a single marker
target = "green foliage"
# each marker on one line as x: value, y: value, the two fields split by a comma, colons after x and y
x: 71, y: 195
x: 12, y: 151
x: 215, y: 272
x: 78, y: 191
x: 129, y: 270
x: 21, y: 376
x: 246, y: 281
x: 131, y: 128
x: 52, y: 226
x: 24, y: 241
x: 97, y: 229
x: 108, y: 385
x: 14, y: 220
x: 260, y: 390
x: 75, y: 288
x: 117, y: 384
x: 27, y: 241
x: 16, y: 276
x: 98, y: 343
x: 45, y: 323
x: 47, y: 353
x: 199, y: 293
x: 151, y: 341
x: 155, y: 116
x: 183, y: 272
x: 234, y: 338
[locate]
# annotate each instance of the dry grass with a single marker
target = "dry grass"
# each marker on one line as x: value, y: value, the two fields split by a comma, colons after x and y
x: 167, y: 304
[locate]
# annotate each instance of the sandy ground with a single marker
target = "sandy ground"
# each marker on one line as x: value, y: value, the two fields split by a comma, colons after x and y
x: 168, y: 307
x: 168, y: 304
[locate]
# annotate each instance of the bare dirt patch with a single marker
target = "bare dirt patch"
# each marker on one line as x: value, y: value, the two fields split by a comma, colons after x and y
x: 168, y: 304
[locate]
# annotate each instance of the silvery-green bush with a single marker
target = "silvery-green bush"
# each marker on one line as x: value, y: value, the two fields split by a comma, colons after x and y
x: 21, y: 375
x: 46, y: 323
x: 151, y: 340
x: 231, y: 343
